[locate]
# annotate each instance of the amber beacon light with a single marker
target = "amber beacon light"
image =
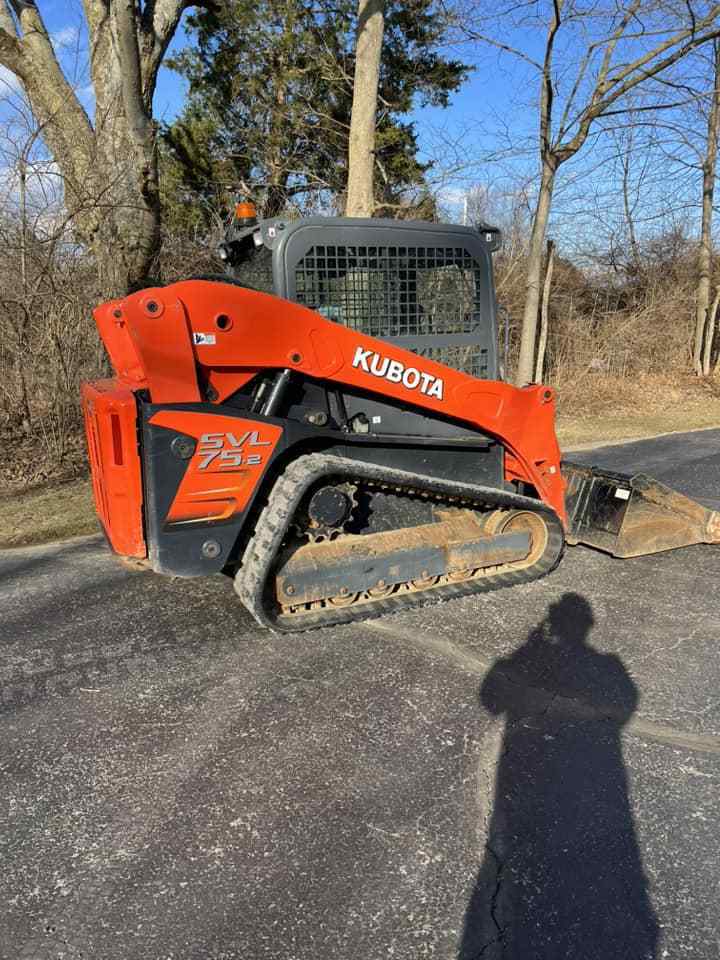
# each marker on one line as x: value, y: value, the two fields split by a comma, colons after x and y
x: 245, y: 211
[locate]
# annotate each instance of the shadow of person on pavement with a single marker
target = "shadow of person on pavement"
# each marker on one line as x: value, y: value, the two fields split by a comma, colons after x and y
x: 562, y: 875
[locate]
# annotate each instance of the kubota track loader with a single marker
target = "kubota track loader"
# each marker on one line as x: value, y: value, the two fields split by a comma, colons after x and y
x: 327, y: 423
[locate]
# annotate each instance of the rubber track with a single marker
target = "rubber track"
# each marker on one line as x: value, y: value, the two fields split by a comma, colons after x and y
x: 252, y: 578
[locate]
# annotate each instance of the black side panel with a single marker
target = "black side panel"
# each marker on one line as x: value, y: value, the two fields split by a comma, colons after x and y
x: 464, y: 465
x: 196, y: 549
x: 392, y: 434
x: 178, y: 552
x: 390, y: 417
x: 383, y: 415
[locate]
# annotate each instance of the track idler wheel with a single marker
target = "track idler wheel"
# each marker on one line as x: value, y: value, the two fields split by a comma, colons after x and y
x: 510, y: 521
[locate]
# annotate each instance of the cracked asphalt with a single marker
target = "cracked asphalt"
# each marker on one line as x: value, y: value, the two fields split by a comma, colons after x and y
x: 528, y: 774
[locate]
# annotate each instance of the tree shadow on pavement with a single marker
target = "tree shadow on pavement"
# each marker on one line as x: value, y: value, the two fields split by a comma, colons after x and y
x: 562, y: 875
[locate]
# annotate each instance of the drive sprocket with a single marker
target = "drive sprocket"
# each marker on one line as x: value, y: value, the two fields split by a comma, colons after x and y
x: 327, y: 512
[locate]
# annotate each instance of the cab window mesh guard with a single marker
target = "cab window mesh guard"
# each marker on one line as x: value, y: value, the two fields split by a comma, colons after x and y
x: 394, y: 292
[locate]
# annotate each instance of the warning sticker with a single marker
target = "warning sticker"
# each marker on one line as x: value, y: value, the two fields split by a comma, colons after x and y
x: 203, y: 339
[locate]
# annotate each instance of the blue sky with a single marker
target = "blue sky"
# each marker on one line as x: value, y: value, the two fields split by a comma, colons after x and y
x: 494, y: 110
x: 66, y: 23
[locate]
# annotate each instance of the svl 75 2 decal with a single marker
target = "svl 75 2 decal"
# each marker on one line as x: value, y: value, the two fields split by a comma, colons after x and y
x: 225, y: 450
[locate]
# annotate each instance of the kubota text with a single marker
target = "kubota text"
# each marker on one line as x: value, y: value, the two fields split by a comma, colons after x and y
x: 397, y: 372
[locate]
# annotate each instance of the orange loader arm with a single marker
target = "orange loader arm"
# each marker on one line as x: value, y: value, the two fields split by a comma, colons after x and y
x: 198, y: 340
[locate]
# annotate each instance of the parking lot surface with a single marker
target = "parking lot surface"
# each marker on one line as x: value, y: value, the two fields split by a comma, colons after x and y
x: 531, y: 773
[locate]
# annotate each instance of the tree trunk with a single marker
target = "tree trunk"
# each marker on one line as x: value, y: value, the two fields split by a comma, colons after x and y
x: 22, y: 353
x: 109, y: 172
x: 542, y: 343
x: 627, y: 206
x: 361, y: 154
x: 528, y: 337
x: 121, y: 221
x: 710, y: 336
x: 277, y: 141
x: 705, y: 249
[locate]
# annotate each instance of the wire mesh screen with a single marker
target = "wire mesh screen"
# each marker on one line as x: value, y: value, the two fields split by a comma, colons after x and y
x: 393, y: 291
x: 254, y: 268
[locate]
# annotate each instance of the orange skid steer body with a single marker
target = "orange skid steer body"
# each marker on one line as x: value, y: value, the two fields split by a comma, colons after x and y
x: 333, y: 474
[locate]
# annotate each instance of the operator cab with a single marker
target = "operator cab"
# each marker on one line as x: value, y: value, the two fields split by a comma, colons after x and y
x: 427, y: 287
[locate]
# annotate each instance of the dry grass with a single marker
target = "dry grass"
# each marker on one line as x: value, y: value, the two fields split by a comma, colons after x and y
x: 601, y: 409
x: 50, y: 513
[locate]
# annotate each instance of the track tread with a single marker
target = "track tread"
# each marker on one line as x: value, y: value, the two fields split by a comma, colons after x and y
x: 275, y: 517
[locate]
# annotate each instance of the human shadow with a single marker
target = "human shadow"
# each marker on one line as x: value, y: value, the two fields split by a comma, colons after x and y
x: 562, y: 875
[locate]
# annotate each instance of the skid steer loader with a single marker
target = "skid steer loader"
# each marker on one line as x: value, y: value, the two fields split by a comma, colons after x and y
x: 327, y: 423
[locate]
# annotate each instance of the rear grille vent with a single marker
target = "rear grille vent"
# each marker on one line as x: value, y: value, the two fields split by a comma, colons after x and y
x: 96, y: 462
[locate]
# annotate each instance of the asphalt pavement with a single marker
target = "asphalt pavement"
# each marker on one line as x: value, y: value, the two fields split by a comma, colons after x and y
x: 527, y: 774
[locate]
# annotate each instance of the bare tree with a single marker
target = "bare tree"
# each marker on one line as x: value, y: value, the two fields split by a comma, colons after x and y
x: 544, y: 311
x: 704, y: 327
x: 616, y: 51
x: 710, y: 336
x: 629, y: 203
x: 46, y: 291
x: 361, y: 155
x: 109, y: 167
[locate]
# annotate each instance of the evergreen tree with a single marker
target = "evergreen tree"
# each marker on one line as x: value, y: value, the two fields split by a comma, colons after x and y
x: 270, y: 93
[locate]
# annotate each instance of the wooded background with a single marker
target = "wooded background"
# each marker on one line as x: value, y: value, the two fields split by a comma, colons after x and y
x: 590, y: 140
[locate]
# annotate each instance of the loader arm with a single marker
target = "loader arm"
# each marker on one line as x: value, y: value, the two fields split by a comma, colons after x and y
x: 198, y: 339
